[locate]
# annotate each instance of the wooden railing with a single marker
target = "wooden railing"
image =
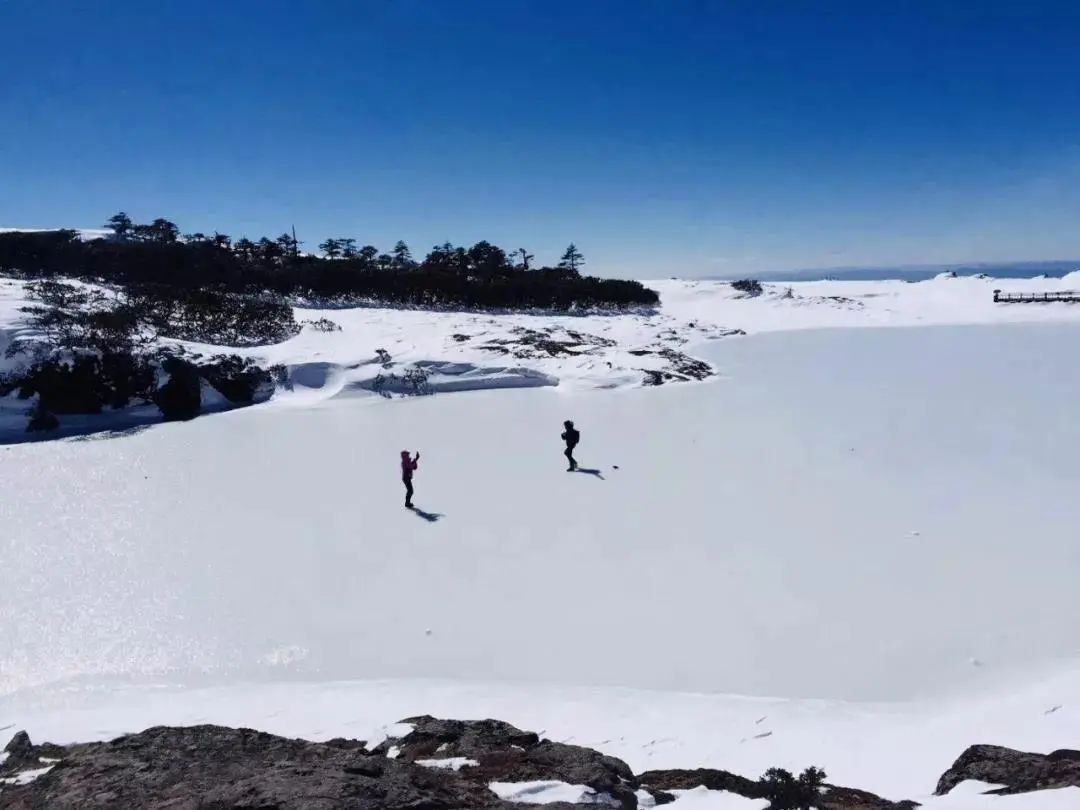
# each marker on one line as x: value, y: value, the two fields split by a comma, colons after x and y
x: 1035, y: 298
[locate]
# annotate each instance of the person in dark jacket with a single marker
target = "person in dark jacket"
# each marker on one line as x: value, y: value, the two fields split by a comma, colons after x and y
x: 571, y: 437
x: 408, y: 467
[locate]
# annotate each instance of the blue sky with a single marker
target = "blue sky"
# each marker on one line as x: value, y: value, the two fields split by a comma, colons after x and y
x: 664, y: 138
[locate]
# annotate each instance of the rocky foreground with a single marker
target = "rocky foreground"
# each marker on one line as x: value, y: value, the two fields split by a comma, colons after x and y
x: 438, y: 764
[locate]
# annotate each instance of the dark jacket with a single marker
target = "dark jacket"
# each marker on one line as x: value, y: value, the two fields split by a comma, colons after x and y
x: 571, y: 437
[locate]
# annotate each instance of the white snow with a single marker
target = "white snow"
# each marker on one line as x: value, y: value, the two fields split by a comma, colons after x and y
x: 86, y: 234
x: 970, y: 796
x: 896, y: 749
x: 756, y: 521
x: 26, y: 777
x: 701, y: 798
x: 548, y: 792
x: 327, y: 364
x: 836, y: 527
x: 448, y: 763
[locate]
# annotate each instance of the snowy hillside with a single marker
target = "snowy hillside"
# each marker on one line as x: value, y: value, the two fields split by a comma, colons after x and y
x: 480, y: 351
x: 869, y: 532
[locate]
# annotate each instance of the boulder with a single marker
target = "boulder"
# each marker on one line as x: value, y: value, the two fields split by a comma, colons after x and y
x: 214, y: 767
x: 711, y: 778
x: 20, y: 753
x: 832, y: 797
x: 1015, y: 771
x: 844, y: 798
x: 504, y: 753
x: 41, y: 420
x: 181, y: 397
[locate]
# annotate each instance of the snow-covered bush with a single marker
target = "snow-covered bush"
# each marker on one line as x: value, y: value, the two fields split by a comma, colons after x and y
x: 213, y: 316
x: 748, y: 286
x: 414, y: 382
x: 84, y: 383
x: 238, y: 379
x: 323, y: 325
x: 91, y: 351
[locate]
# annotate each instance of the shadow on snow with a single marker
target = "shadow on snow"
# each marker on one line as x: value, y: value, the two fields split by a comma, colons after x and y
x: 430, y: 517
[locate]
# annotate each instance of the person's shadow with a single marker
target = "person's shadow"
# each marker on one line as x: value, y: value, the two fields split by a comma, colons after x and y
x: 591, y: 471
x: 430, y: 517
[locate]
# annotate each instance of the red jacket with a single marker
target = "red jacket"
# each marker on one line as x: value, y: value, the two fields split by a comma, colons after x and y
x: 407, y: 466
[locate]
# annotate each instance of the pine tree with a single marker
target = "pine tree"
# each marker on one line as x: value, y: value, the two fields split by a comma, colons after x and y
x: 526, y: 257
x: 245, y: 248
x: 120, y: 224
x: 161, y: 230
x: 331, y: 248
x: 572, y: 260
x: 288, y: 244
x: 403, y: 259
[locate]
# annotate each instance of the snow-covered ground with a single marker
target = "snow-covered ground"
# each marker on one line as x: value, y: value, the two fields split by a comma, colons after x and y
x: 871, y: 531
x: 614, y: 352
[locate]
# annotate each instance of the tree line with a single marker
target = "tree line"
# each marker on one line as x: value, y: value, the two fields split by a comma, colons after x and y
x: 482, y: 276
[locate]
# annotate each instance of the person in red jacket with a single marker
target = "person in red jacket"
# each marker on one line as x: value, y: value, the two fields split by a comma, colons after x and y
x: 408, y: 467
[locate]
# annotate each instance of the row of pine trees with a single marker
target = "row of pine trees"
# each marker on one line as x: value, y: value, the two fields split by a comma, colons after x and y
x: 482, y: 255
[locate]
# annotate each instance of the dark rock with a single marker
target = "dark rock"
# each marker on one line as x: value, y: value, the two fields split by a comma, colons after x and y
x: 711, y: 778
x: 210, y: 767
x: 843, y: 798
x: 462, y: 738
x: 508, y: 754
x: 1016, y: 771
x: 659, y: 797
x: 23, y: 755
x: 341, y: 742
x: 181, y: 397
x: 685, y: 365
x: 833, y: 798
x: 41, y: 420
x: 237, y: 379
x: 217, y: 768
x: 657, y: 377
x: 20, y: 752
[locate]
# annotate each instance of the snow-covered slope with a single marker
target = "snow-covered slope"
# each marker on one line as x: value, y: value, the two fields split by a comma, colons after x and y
x: 853, y: 515
x: 480, y: 351
x: 897, y: 750
x: 471, y: 351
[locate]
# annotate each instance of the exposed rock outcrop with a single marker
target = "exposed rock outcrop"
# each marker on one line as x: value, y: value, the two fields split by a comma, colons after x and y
x: 504, y: 753
x: 1015, y: 771
x: 437, y: 765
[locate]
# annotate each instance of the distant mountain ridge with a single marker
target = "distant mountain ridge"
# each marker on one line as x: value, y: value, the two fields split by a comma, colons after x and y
x: 917, y: 272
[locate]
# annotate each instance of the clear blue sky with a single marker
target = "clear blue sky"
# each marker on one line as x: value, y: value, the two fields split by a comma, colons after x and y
x: 688, y: 138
